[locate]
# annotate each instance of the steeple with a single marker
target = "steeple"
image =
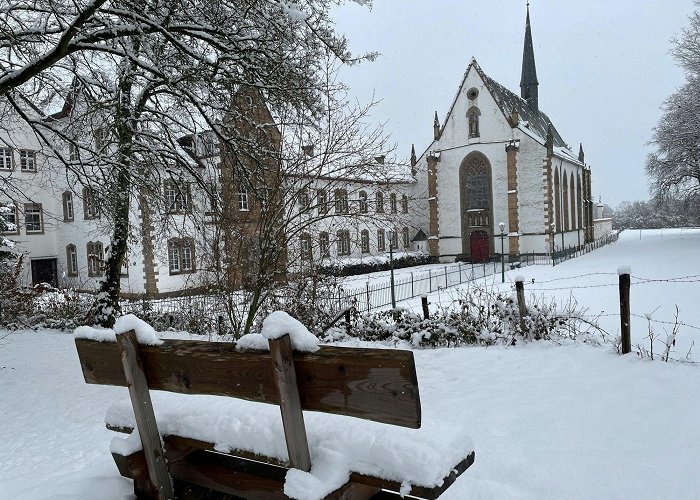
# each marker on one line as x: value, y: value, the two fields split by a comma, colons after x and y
x: 581, y: 156
x: 528, y: 80
x: 436, y: 128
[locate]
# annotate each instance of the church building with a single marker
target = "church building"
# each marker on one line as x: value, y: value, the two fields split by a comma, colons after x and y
x: 498, y: 173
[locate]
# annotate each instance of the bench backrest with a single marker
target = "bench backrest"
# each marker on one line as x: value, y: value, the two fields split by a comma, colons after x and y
x: 373, y: 384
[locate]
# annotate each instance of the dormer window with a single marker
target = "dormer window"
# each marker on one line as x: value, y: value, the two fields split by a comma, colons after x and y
x: 473, y: 118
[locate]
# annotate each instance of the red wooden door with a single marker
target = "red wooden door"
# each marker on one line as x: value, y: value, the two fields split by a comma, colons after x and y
x: 479, y: 245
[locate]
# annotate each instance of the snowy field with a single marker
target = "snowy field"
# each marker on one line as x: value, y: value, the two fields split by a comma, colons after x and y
x: 547, y: 421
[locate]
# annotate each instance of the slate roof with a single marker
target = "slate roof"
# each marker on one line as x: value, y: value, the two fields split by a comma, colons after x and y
x: 537, y: 121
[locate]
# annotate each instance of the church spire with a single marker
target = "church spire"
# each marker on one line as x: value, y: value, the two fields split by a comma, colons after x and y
x: 528, y: 80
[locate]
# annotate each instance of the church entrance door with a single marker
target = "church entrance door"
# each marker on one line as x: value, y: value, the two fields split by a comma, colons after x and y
x: 479, y: 246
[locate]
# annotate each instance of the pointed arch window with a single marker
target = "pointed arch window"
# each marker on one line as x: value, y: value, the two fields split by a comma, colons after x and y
x: 572, y: 200
x: 579, y: 198
x: 565, y: 201
x: 557, y: 200
x: 473, y: 115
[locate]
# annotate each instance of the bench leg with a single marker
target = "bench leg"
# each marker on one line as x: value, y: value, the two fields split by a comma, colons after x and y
x: 134, y: 467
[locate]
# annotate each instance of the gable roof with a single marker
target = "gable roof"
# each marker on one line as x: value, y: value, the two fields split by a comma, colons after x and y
x: 531, y: 122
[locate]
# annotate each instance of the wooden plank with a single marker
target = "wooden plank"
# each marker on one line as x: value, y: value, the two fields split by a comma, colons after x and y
x: 290, y: 406
x: 373, y: 384
x: 416, y: 491
x: 172, y: 443
x: 145, y: 418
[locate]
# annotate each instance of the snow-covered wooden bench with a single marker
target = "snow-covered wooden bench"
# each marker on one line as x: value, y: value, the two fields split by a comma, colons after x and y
x: 239, y: 447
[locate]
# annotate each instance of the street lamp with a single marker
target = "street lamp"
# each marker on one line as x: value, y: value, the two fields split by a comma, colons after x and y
x: 552, y: 233
x: 502, y: 225
x: 391, y: 268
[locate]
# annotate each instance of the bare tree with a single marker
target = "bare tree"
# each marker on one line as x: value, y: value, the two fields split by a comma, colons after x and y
x: 143, y: 74
x: 674, y: 168
x: 299, y: 188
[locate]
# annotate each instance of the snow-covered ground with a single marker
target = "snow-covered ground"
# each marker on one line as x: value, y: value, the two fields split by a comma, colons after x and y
x: 547, y: 421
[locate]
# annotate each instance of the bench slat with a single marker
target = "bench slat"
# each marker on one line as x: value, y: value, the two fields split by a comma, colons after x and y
x: 373, y: 384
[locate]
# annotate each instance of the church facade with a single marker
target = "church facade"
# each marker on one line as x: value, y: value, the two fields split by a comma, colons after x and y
x: 498, y: 173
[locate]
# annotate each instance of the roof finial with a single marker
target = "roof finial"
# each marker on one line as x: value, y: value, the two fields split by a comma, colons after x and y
x: 436, y: 127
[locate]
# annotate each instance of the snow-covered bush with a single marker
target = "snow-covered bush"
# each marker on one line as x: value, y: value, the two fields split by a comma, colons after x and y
x: 478, y: 317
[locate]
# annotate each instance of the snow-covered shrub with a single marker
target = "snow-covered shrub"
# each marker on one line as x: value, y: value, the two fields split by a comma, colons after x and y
x: 353, y: 267
x: 477, y: 317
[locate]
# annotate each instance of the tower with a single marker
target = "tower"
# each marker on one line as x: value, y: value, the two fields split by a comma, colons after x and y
x: 528, y: 79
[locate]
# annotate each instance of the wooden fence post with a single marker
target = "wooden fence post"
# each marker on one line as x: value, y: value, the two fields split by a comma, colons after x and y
x: 624, y: 279
x: 290, y: 403
x: 522, y: 309
x: 459, y: 266
x: 158, y: 476
x: 446, y: 283
x: 347, y: 321
x: 412, y: 294
x: 424, y: 303
x: 430, y: 280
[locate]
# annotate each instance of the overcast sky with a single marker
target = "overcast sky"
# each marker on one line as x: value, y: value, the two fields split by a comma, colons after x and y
x: 603, y: 66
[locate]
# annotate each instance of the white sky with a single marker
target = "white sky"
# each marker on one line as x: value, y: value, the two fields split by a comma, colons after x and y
x: 603, y: 66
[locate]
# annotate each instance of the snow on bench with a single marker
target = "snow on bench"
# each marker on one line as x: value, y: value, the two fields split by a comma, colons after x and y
x: 375, y: 387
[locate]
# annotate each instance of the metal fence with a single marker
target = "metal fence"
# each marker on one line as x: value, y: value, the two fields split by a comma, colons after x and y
x: 376, y: 295
x: 207, y: 309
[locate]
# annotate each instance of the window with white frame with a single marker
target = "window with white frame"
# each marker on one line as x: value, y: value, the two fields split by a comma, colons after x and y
x: 305, y: 246
x: 33, y: 218
x: 364, y: 206
x: 5, y: 159
x: 90, y: 208
x: 404, y: 204
x: 181, y: 257
x: 8, y: 216
x: 68, y: 206
x: 394, y: 239
x: 95, y: 258
x: 73, y: 152
x: 381, y: 240
x: 364, y: 241
x: 71, y: 260
x: 342, y: 242
x: 392, y: 203
x: 324, y: 244
x: 341, y: 201
x: 322, y: 201
x: 177, y: 198
x: 405, y: 237
x: 303, y: 199
x: 379, y: 200
x: 27, y: 160
x: 243, y: 204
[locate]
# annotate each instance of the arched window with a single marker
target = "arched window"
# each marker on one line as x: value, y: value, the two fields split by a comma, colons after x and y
x: 565, y: 201
x: 324, y: 245
x: 392, y: 203
x: 90, y: 208
x: 341, y: 201
x: 342, y: 242
x: 393, y: 235
x: 404, y: 204
x: 72, y: 260
x: 381, y: 240
x: 305, y: 246
x: 95, y: 258
x: 473, y: 118
x: 556, y: 199
x: 579, y: 200
x: 68, y: 206
x: 379, y: 202
x: 364, y: 208
x: 364, y: 241
x: 572, y: 200
x: 405, y: 237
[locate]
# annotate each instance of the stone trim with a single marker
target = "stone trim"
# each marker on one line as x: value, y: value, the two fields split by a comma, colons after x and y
x: 513, y: 213
x: 434, y: 225
x: 150, y: 274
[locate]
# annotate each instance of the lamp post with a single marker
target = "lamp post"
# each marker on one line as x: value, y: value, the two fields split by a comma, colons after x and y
x: 552, y: 232
x: 502, y: 225
x: 391, y: 268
